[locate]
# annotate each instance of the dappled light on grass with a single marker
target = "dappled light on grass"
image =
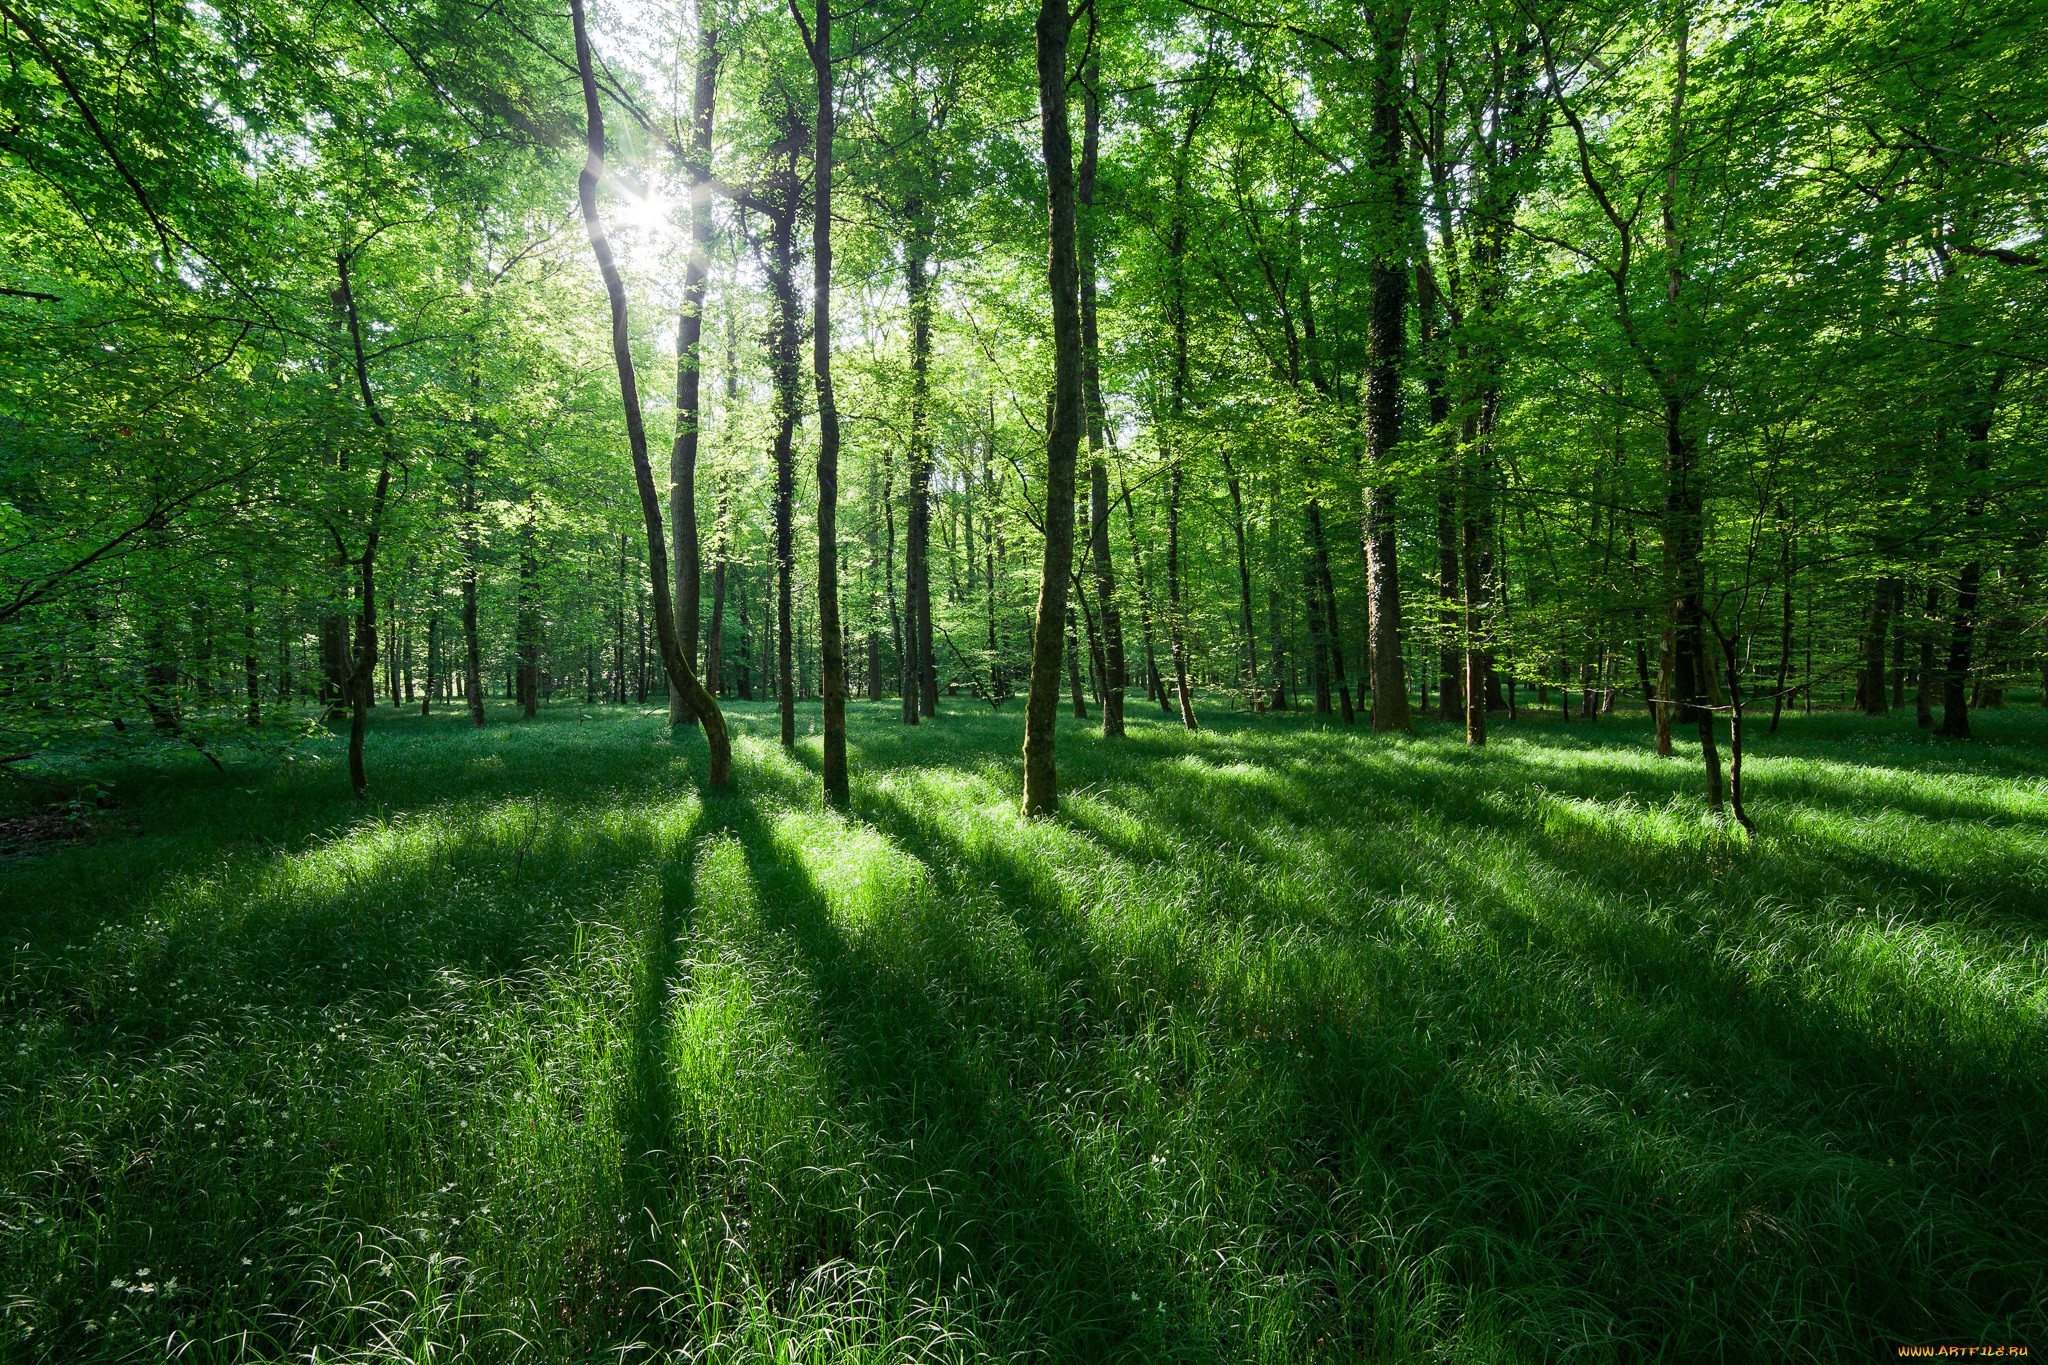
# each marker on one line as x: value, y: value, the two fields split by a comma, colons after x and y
x: 1282, y: 1043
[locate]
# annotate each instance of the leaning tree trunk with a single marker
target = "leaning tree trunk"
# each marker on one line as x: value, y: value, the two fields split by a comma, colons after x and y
x: 674, y: 661
x: 1063, y: 433
x: 831, y: 639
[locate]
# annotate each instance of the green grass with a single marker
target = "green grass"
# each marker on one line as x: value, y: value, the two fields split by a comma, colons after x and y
x: 1282, y: 1044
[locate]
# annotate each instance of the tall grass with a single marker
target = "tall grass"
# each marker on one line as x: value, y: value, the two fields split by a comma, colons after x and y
x: 1284, y: 1043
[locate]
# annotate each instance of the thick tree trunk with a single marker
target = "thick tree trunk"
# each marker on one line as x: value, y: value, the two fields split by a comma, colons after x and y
x: 674, y: 661
x: 1063, y: 434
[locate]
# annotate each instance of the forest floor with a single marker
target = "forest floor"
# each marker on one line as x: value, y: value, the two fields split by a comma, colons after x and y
x: 1282, y: 1043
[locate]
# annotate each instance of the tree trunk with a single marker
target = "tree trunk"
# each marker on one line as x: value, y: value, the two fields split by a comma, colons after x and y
x: 364, y: 671
x: 1785, y: 607
x: 1074, y: 668
x: 1063, y: 434
x: 918, y: 534
x: 528, y: 623
x: 782, y: 354
x: 1923, y: 694
x: 1876, y: 687
x: 1955, y: 714
x: 1176, y: 623
x: 1155, y: 687
x: 1386, y: 343
x: 1091, y: 383
x: 1328, y: 606
x: 831, y: 638
x: 674, y: 661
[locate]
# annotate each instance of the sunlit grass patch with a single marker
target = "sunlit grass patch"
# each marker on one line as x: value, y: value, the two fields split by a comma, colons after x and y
x: 1280, y: 1043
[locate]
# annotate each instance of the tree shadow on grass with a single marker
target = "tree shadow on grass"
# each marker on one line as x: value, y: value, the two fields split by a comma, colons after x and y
x: 1346, y: 1058
x: 982, y: 1206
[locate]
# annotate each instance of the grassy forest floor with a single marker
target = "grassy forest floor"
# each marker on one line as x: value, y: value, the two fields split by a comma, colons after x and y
x: 1282, y: 1044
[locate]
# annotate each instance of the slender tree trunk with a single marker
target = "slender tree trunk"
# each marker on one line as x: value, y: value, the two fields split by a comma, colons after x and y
x: 1923, y: 693
x: 831, y: 638
x: 782, y: 352
x: 1955, y: 713
x: 1327, y: 584
x: 1063, y: 434
x: 528, y: 624
x: 433, y: 662
x: 1876, y: 639
x: 251, y: 678
x: 1785, y: 606
x: 1155, y: 686
x: 1244, y: 580
x: 1386, y: 343
x: 1074, y: 668
x: 1475, y: 654
x: 364, y: 671
x: 1176, y: 623
x: 1091, y: 383
x: 674, y: 661
x: 906, y: 681
x: 918, y: 534
x: 1319, y: 651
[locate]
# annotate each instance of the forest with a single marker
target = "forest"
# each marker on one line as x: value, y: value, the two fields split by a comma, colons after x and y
x: 1271, y: 680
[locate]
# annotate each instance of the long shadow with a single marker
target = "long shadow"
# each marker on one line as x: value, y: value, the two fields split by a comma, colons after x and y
x: 1000, y: 1208
x: 1648, y: 959
x: 1331, y: 1057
